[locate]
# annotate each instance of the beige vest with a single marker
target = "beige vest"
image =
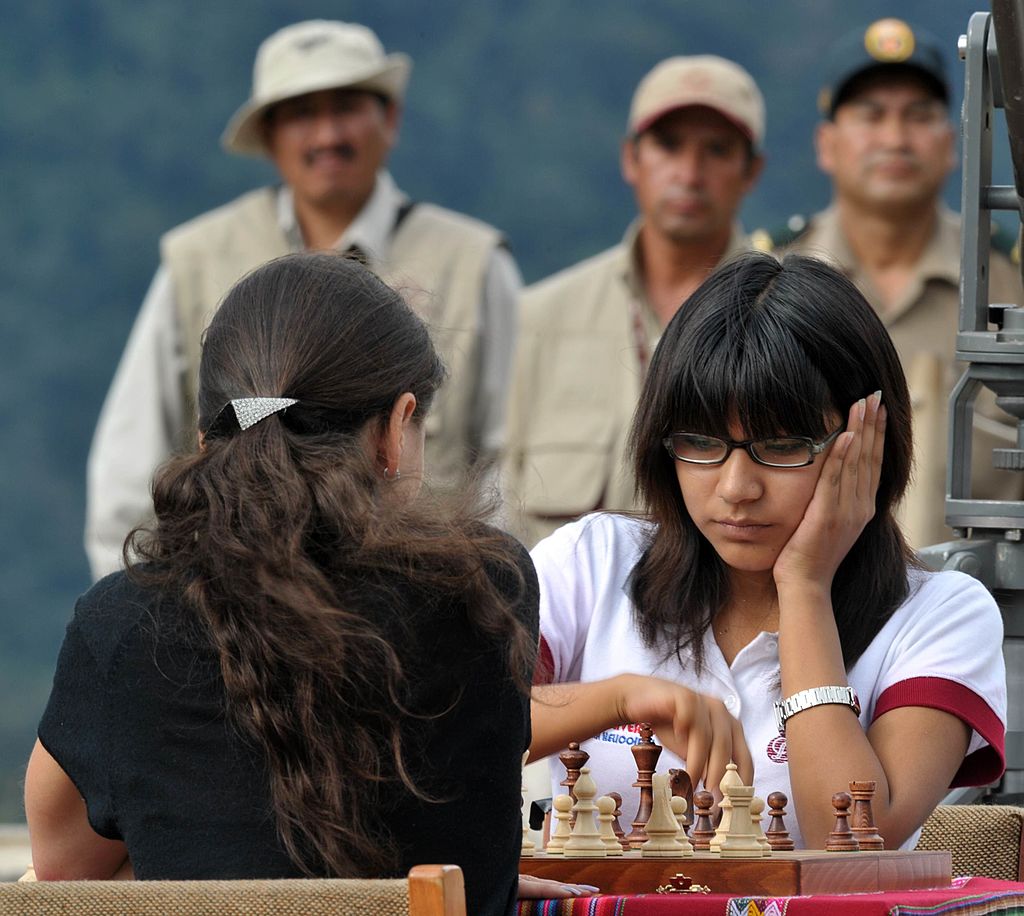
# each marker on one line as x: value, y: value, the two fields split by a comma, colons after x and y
x: 438, y: 260
x: 577, y: 381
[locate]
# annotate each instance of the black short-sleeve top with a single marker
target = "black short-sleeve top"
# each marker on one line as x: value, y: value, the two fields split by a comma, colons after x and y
x: 136, y: 718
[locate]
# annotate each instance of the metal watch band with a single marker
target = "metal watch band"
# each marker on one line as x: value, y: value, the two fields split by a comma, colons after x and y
x: 815, y: 696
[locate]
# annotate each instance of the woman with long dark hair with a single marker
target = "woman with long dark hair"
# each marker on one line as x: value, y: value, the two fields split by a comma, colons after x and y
x: 312, y: 667
x: 767, y: 609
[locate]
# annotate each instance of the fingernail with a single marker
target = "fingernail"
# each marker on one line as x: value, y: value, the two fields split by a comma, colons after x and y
x: 588, y: 888
x: 878, y: 396
x: 862, y: 406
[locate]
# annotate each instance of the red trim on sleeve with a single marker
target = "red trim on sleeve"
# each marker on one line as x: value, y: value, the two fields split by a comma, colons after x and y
x: 544, y: 672
x: 986, y: 764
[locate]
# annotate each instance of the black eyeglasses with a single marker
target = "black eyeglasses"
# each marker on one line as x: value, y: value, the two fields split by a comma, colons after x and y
x: 775, y: 452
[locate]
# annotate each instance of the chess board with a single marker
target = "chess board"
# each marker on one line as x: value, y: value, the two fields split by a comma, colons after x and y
x: 783, y: 874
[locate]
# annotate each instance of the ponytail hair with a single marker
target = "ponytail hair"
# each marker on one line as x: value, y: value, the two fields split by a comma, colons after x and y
x: 283, y: 543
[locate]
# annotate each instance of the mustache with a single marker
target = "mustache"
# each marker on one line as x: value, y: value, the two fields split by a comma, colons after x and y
x: 685, y: 195
x: 344, y: 150
x: 890, y: 156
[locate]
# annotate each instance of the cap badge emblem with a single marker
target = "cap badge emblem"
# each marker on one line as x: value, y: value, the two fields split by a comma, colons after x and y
x: 890, y: 41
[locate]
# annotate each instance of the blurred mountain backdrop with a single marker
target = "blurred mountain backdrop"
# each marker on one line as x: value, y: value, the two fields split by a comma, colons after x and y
x: 112, y: 112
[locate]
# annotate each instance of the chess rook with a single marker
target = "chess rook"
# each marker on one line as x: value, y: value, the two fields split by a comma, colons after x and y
x: 862, y: 818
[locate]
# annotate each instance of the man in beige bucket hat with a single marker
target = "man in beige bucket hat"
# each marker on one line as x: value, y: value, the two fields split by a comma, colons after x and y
x: 692, y: 152
x: 325, y: 106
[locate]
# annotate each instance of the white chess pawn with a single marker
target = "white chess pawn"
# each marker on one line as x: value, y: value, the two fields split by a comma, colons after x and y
x: 585, y: 841
x: 756, y: 811
x: 679, y: 810
x: 605, y: 816
x: 562, y: 805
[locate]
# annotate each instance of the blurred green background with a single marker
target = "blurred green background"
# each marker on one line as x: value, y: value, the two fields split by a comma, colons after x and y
x: 111, y: 117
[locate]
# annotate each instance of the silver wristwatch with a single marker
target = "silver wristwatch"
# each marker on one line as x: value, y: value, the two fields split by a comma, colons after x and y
x: 815, y: 696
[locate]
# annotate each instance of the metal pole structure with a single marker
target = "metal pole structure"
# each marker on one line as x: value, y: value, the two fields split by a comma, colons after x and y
x: 990, y: 531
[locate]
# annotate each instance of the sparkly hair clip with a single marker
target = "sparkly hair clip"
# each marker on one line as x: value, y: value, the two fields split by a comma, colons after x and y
x: 249, y: 411
x: 245, y: 412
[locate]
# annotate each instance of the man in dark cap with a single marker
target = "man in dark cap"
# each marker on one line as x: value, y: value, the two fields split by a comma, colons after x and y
x: 887, y: 143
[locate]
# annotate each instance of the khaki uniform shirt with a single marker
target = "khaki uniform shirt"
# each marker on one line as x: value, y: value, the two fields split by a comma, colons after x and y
x: 923, y: 327
x: 148, y: 415
x: 586, y: 337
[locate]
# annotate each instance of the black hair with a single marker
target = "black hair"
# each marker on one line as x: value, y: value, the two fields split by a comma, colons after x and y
x: 779, y: 348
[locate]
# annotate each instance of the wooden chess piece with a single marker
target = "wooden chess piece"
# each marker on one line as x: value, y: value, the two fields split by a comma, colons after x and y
x: 777, y: 834
x: 756, y: 812
x: 862, y: 818
x: 562, y: 813
x: 731, y: 778
x: 703, y: 830
x: 616, y: 826
x: 682, y: 787
x: 605, y: 816
x: 527, y: 848
x: 678, y: 804
x: 841, y: 839
x: 572, y: 759
x: 585, y: 841
x: 646, y: 754
x: 740, y: 842
x: 662, y: 826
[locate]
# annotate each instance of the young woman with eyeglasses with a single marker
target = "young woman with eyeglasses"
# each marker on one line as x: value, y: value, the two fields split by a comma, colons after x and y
x: 767, y: 609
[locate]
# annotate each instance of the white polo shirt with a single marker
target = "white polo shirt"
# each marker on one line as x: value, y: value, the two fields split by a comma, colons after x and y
x: 941, y: 648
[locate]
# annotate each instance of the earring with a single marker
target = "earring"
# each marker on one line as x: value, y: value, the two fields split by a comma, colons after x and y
x: 387, y: 474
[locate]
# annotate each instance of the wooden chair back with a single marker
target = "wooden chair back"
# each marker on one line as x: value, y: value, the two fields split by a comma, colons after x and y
x: 429, y: 890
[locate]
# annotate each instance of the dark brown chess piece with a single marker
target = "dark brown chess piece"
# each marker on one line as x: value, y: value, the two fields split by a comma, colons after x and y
x: 841, y: 839
x: 616, y: 826
x: 703, y: 830
x: 777, y: 834
x: 680, y: 784
x: 572, y: 759
x: 862, y: 818
x: 646, y: 754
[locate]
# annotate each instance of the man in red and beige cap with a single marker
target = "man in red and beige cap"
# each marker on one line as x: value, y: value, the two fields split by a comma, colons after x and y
x: 324, y: 108
x: 691, y: 154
